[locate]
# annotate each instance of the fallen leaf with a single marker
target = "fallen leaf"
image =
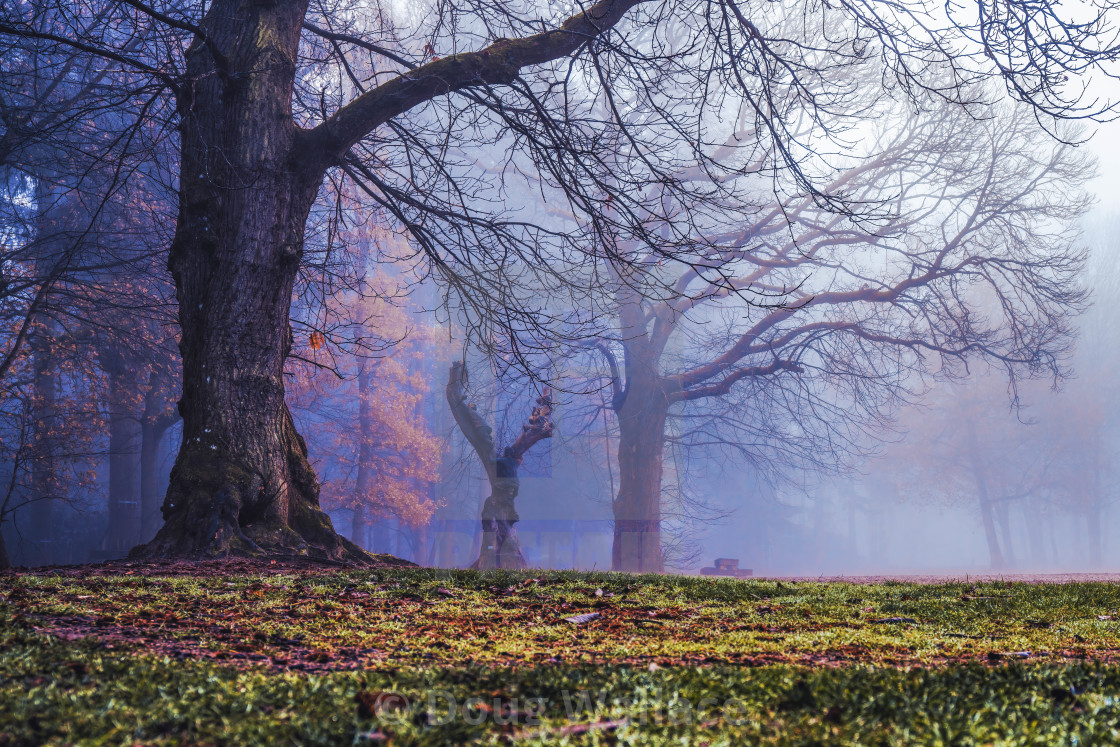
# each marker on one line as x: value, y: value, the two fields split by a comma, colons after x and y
x: 581, y: 619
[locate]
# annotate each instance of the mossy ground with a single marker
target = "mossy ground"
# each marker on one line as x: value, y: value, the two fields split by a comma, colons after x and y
x: 419, y: 656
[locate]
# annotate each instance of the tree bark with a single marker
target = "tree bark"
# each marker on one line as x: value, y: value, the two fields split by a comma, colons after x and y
x: 637, y: 507
x: 242, y: 483
x: 642, y: 406
x: 500, y: 547
x: 5, y: 560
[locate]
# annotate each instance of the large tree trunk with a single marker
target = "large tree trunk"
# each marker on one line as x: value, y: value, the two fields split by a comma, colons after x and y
x: 242, y: 483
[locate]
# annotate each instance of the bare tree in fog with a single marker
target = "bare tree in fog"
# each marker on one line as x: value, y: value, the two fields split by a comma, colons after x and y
x: 965, y: 445
x: 269, y: 98
x: 1044, y: 458
x: 974, y: 258
x: 500, y: 547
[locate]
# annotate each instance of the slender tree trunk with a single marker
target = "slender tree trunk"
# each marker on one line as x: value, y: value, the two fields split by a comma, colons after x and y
x: 986, y: 514
x: 363, y: 488
x: 155, y: 423
x: 359, y: 527
x: 984, y: 497
x: 1003, y: 520
x: 124, y: 458
x: 242, y: 483
x: 5, y: 561
x: 44, y: 482
x: 500, y: 547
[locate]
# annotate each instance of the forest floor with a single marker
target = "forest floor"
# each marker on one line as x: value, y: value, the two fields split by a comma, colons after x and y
x: 266, y: 654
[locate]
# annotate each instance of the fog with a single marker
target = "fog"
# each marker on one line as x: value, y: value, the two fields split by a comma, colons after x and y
x: 908, y: 505
x: 843, y: 335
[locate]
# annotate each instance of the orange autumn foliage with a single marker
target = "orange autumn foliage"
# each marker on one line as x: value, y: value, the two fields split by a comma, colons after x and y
x: 357, y: 394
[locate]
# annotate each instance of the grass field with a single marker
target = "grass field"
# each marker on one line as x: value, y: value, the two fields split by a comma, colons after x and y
x: 416, y: 656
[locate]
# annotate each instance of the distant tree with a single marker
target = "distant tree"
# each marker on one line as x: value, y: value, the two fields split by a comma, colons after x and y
x: 500, y: 547
x: 50, y: 428
x: 973, y: 257
x: 1042, y: 457
x: 137, y: 355
x: 270, y: 98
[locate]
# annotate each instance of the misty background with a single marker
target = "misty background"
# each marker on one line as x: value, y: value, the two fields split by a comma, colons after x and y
x: 968, y: 474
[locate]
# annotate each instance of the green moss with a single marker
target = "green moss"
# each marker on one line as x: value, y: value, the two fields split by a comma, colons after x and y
x: 451, y: 617
x: 438, y: 637
x: 201, y: 471
x: 59, y: 692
